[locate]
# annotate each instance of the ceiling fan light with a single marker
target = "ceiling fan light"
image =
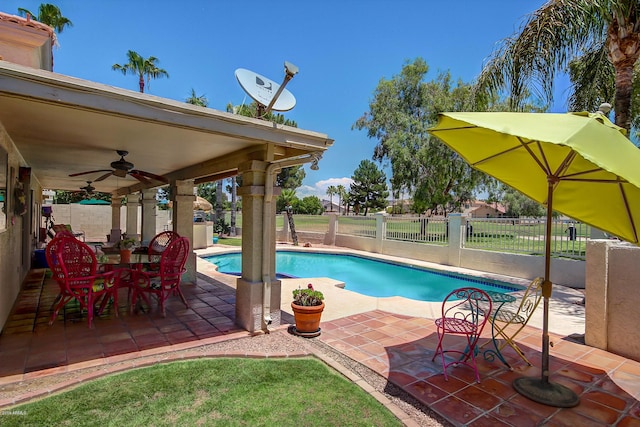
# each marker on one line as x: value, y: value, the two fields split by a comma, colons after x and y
x: 120, y: 173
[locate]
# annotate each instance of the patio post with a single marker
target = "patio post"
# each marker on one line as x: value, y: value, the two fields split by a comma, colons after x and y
x: 133, y: 202
x: 183, y: 198
x: 249, y: 289
x: 148, y: 214
x: 116, y: 230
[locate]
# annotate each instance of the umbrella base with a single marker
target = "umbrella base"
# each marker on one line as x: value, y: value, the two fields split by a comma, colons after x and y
x: 547, y: 393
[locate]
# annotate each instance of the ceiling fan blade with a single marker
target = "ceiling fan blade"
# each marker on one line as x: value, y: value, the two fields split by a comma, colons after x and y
x: 140, y: 177
x: 105, y: 176
x: 150, y: 175
x: 87, y: 172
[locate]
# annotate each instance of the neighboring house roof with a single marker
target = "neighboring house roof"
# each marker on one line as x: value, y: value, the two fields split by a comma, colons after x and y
x: 479, y: 204
x: 26, y: 42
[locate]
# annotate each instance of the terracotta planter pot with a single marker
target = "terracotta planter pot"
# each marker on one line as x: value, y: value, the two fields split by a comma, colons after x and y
x: 307, y: 319
x: 125, y: 256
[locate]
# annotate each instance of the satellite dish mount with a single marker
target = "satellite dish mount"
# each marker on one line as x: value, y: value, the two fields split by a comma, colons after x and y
x: 261, y: 90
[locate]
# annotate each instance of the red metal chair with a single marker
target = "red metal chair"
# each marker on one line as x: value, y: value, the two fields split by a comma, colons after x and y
x: 465, y: 311
x: 74, y: 265
x: 166, y: 281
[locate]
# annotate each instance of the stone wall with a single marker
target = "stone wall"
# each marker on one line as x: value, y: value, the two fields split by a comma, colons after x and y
x: 95, y: 220
x: 613, y: 297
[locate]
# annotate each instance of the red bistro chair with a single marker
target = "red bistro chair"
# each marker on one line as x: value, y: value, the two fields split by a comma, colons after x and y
x: 74, y: 265
x: 158, y: 244
x: 166, y: 281
x: 465, y: 311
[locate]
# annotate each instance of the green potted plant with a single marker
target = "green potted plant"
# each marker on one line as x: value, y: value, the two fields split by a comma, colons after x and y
x: 126, y: 245
x: 307, y: 307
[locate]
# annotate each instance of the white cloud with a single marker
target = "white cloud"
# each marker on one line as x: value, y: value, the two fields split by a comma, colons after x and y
x: 320, y: 188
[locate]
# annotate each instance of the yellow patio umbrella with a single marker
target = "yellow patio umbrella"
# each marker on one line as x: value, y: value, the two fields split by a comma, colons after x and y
x: 578, y: 164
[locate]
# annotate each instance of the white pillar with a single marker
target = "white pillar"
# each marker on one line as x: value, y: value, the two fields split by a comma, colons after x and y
x: 116, y: 229
x: 133, y: 203
x: 249, y: 288
x: 183, y: 198
x: 455, y: 238
x: 148, y: 214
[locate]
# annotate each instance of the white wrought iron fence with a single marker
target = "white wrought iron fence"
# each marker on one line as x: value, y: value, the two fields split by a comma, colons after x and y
x: 357, y: 226
x: 432, y: 230
x: 527, y: 235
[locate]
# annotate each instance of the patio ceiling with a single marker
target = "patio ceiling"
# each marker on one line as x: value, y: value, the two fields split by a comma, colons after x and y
x: 63, y: 125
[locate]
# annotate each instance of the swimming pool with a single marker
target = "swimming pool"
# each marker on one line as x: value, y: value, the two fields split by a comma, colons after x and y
x: 376, y: 278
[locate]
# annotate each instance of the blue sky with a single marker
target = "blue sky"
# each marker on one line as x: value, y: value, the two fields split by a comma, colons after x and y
x: 342, y: 48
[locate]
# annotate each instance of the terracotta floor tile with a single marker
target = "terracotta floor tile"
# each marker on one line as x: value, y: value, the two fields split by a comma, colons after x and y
x: 570, y: 418
x: 598, y: 411
x: 425, y: 392
x: 488, y: 421
x: 606, y: 399
x: 456, y: 410
x: 478, y: 397
x: 516, y: 415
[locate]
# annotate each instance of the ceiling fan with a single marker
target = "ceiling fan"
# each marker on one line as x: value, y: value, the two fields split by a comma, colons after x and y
x: 122, y: 168
x: 86, y: 192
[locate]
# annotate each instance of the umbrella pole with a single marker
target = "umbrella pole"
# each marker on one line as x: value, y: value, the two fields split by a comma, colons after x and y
x: 540, y: 389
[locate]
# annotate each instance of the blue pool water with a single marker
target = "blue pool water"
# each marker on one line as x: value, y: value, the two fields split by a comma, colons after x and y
x: 366, y: 276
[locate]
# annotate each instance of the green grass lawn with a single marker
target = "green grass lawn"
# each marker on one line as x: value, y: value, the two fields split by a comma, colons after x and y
x: 225, y: 392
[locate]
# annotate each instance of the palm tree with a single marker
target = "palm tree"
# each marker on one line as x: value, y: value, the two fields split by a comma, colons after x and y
x: 601, y: 35
x: 143, y: 67
x: 342, y: 193
x: 194, y: 99
x: 331, y: 190
x: 234, y: 201
x: 49, y: 15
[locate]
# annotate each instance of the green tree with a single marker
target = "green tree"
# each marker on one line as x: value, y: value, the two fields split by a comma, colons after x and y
x: 331, y: 191
x: 517, y: 204
x: 194, y: 99
x: 402, y: 110
x: 286, y: 198
x: 142, y: 67
x: 603, y: 36
x: 369, y: 188
x: 50, y: 15
x: 310, y: 205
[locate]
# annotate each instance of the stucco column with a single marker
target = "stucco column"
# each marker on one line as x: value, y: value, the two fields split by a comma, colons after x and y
x: 183, y: 198
x: 249, y: 289
x: 148, y: 214
x: 133, y: 203
x: 596, y: 319
x: 330, y: 237
x: 116, y: 229
x: 455, y: 238
x: 381, y: 231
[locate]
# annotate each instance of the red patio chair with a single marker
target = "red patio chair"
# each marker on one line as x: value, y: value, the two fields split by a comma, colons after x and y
x: 158, y: 244
x: 74, y: 265
x: 166, y: 281
x: 464, y: 312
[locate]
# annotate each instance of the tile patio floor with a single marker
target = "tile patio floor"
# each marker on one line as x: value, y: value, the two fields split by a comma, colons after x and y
x: 396, y: 346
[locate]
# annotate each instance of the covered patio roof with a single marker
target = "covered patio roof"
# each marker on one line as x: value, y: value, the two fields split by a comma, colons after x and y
x: 63, y: 125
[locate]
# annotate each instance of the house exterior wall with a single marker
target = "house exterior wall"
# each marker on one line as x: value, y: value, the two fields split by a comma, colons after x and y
x: 13, y: 265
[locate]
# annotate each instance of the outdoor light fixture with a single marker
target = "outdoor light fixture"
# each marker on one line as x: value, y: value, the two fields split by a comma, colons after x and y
x: 314, y: 163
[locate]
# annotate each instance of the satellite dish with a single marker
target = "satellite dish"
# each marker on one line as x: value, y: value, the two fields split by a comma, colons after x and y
x: 262, y: 90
